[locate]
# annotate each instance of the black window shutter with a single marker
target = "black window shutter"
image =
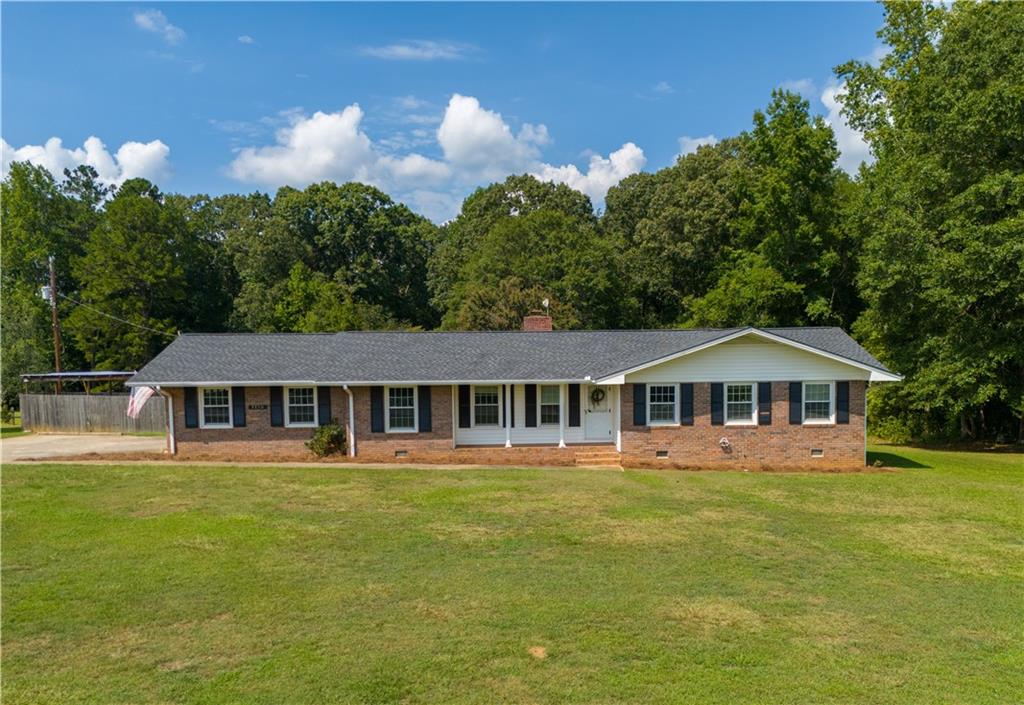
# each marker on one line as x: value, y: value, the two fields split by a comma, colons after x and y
x: 686, y: 404
x: 764, y: 403
x: 717, y: 405
x: 377, y: 409
x: 574, y: 405
x: 323, y: 405
x: 191, y: 408
x: 502, y: 414
x: 842, y: 402
x: 238, y: 407
x: 423, y: 401
x: 531, y: 405
x: 639, y: 404
x: 464, y: 417
x: 276, y: 407
x: 796, y: 399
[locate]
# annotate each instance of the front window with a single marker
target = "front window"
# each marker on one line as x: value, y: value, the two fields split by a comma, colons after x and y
x: 739, y: 403
x: 401, y: 409
x: 817, y: 402
x: 216, y: 407
x: 661, y: 408
x: 485, y: 406
x: 301, y: 407
x: 550, y: 401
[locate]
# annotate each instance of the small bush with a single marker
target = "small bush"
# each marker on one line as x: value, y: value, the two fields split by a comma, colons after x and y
x: 328, y: 440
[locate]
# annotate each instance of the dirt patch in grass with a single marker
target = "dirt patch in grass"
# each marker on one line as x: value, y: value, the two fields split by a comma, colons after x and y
x: 709, y: 614
x: 538, y: 652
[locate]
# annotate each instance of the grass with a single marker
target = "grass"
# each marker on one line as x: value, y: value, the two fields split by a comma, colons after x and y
x: 170, y: 584
x: 9, y: 430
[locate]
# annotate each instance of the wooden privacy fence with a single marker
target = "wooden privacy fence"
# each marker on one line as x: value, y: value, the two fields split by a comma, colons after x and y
x: 85, y: 413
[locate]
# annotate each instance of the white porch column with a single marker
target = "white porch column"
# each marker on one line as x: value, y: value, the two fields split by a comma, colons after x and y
x: 455, y: 407
x: 562, y: 396
x: 510, y: 389
x: 617, y: 417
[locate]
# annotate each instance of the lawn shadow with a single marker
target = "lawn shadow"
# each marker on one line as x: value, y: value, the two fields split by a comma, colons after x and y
x: 893, y: 460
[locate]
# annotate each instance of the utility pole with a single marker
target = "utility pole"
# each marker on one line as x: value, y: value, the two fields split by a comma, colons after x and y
x: 56, y: 322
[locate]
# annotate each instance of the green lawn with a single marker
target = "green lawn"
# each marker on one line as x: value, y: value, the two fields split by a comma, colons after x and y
x: 168, y: 584
x: 8, y: 430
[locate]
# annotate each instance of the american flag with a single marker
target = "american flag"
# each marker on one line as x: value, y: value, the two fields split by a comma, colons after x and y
x: 138, y: 399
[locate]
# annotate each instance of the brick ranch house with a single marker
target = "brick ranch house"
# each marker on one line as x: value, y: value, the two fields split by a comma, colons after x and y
x: 740, y: 397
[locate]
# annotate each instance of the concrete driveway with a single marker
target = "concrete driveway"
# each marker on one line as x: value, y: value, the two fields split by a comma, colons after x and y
x: 53, y: 445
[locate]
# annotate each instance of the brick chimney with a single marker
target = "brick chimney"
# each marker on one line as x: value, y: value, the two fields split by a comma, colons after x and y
x: 536, y: 323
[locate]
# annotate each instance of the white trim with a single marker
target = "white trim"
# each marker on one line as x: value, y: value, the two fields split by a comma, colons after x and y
x: 831, y: 420
x: 508, y: 414
x: 415, y: 408
x: 472, y: 407
x: 172, y: 441
x: 351, y: 421
x: 876, y: 375
x: 752, y: 421
x: 562, y: 397
x: 371, y: 383
x: 675, y: 404
x: 288, y: 407
x: 202, y: 408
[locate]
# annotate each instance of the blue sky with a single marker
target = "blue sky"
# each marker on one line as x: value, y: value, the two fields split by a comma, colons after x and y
x: 426, y: 101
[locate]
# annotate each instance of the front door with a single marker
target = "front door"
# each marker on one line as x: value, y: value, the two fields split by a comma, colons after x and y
x: 599, y: 414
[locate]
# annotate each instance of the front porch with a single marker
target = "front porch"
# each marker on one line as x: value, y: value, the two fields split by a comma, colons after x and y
x: 561, y: 415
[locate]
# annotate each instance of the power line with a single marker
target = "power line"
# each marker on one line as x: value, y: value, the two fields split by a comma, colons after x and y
x: 121, y: 320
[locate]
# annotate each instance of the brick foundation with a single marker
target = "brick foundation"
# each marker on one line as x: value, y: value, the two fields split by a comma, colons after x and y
x: 779, y: 446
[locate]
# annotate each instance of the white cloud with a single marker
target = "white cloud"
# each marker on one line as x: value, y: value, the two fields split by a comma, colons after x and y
x: 803, y: 86
x: 663, y: 87
x: 246, y: 39
x: 147, y: 160
x: 689, y: 145
x: 420, y: 50
x: 601, y: 173
x: 156, y: 22
x: 852, y: 148
x: 477, y: 144
x: 479, y: 141
x: 331, y: 146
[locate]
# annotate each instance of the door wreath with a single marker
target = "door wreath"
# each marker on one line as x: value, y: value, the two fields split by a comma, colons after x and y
x: 597, y: 396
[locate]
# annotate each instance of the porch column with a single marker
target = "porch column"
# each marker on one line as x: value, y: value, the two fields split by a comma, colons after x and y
x: 510, y: 389
x: 562, y: 396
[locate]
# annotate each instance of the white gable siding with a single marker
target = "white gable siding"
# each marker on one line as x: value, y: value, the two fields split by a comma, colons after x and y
x: 748, y: 358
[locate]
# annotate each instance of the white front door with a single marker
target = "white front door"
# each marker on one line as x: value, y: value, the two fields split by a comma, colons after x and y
x: 598, y: 405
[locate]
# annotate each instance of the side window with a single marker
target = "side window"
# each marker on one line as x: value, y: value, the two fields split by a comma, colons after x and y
x: 550, y: 404
x: 216, y: 411
x: 301, y: 407
x: 661, y: 404
x: 401, y: 409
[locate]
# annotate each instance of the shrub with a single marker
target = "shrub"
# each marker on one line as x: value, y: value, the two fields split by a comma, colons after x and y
x: 328, y: 440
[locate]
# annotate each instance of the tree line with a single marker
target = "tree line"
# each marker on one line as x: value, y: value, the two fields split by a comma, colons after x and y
x: 919, y: 255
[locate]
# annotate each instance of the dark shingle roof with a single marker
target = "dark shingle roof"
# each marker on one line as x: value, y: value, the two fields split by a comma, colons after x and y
x: 377, y: 357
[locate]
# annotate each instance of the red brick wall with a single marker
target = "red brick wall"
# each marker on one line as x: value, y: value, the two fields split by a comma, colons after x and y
x: 257, y: 440
x: 776, y: 446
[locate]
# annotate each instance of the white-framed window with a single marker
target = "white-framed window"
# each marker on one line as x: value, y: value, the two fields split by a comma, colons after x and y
x: 486, y: 405
x: 740, y: 403
x: 550, y: 400
x: 401, y: 412
x: 215, y: 407
x: 661, y: 404
x: 300, y: 406
x: 819, y: 402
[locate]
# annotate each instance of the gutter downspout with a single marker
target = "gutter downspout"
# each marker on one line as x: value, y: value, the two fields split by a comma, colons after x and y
x: 172, y: 442
x: 351, y: 422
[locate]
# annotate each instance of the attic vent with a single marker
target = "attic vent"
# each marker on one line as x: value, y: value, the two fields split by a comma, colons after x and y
x: 817, y: 453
